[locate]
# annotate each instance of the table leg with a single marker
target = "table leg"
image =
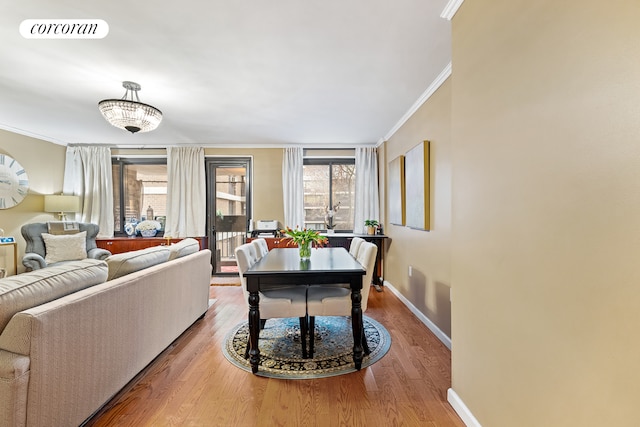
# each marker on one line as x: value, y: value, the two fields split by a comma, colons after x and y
x: 356, y: 321
x: 254, y: 330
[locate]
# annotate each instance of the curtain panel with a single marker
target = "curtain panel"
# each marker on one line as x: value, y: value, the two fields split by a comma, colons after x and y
x: 367, y: 205
x: 293, y: 187
x: 87, y: 174
x: 186, y: 192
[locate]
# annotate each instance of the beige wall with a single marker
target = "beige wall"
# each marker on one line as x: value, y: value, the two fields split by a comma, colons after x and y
x: 45, y: 177
x: 427, y: 252
x: 546, y: 211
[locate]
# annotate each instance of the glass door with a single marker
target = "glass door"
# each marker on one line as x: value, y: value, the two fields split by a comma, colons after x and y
x: 229, y: 209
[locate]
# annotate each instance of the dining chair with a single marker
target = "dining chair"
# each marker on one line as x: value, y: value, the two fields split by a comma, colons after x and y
x: 355, y: 245
x: 280, y: 302
x: 336, y: 301
x: 261, y: 247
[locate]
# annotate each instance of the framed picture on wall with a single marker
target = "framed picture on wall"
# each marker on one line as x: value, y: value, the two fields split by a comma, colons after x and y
x: 418, y: 207
x: 396, y: 191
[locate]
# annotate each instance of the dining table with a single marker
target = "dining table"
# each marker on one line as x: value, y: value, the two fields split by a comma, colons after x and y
x: 283, y: 266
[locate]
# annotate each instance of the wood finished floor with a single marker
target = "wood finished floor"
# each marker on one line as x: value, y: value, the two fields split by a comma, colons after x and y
x: 192, y: 384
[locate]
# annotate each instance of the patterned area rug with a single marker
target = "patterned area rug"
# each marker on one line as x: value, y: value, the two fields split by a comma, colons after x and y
x: 281, y: 349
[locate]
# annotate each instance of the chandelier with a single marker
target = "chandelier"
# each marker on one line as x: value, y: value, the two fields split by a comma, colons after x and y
x: 128, y: 114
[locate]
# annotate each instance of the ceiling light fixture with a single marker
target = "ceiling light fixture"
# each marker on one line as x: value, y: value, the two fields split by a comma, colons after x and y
x: 130, y: 115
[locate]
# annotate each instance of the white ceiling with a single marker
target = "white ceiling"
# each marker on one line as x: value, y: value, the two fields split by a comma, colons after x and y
x: 225, y: 73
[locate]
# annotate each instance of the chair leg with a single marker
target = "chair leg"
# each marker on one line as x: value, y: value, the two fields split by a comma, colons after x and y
x: 312, y: 333
x: 365, y: 345
x: 304, y: 327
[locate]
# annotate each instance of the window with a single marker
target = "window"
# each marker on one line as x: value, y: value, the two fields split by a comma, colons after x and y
x: 139, y: 187
x: 329, y: 183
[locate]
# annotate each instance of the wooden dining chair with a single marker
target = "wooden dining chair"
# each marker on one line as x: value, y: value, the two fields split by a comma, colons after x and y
x: 279, y: 302
x: 336, y: 301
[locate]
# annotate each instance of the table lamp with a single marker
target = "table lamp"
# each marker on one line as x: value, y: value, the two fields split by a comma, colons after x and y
x: 61, y: 204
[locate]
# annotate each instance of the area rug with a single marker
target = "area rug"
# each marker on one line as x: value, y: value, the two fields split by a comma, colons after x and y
x: 281, y: 349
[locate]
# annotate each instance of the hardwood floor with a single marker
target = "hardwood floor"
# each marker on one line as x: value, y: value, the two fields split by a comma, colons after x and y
x: 192, y: 384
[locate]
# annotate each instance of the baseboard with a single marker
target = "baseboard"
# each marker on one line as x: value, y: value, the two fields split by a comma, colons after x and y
x: 452, y: 397
x: 424, y: 319
x: 461, y: 409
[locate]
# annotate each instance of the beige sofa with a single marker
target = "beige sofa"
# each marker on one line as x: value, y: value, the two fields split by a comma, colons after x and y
x: 71, y: 336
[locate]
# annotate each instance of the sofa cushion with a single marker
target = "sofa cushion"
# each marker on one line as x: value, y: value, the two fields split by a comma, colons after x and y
x: 65, y: 247
x: 23, y: 291
x: 184, y: 247
x: 128, y: 262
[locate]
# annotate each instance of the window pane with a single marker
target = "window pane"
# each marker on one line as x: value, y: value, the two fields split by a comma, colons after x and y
x: 316, y: 196
x: 329, y: 185
x: 343, y: 185
x: 115, y: 172
x: 144, y: 189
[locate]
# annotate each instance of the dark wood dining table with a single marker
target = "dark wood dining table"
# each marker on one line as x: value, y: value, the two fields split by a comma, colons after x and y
x: 283, y: 266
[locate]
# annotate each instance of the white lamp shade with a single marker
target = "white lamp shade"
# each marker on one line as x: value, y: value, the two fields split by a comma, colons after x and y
x: 61, y: 203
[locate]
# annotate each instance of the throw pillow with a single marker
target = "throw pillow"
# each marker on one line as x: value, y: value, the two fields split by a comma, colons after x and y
x: 184, y: 247
x: 65, y: 247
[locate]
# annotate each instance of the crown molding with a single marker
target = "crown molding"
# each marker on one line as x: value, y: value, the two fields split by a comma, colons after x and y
x: 442, y: 77
x: 451, y: 8
x: 31, y: 134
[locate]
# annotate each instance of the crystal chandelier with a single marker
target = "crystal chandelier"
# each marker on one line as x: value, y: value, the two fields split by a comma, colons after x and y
x: 128, y: 114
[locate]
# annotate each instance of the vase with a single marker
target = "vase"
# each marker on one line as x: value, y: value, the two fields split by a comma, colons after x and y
x: 148, y: 233
x: 305, y: 250
x: 130, y: 229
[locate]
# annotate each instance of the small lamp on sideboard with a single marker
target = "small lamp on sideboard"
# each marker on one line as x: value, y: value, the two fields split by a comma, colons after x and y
x: 61, y: 204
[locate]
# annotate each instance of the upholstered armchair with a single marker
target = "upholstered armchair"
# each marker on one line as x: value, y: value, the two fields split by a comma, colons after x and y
x: 67, y: 245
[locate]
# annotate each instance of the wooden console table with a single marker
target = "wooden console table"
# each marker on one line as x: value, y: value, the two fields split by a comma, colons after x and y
x: 117, y: 245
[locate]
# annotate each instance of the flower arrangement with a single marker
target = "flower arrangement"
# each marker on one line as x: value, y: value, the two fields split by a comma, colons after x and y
x: 148, y: 225
x: 304, y: 236
x: 329, y: 214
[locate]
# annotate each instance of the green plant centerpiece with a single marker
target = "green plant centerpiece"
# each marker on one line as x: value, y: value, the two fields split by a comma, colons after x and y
x: 371, y: 225
x: 305, y: 239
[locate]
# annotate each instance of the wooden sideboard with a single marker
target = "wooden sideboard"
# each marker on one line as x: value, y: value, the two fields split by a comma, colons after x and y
x: 117, y: 245
x: 341, y: 240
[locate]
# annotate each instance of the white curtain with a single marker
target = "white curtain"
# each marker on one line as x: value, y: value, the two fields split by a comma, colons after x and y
x: 367, y: 205
x: 186, y: 192
x: 293, y: 187
x: 87, y: 174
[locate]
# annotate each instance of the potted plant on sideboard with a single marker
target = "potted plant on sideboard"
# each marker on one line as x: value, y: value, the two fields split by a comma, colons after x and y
x: 371, y: 225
